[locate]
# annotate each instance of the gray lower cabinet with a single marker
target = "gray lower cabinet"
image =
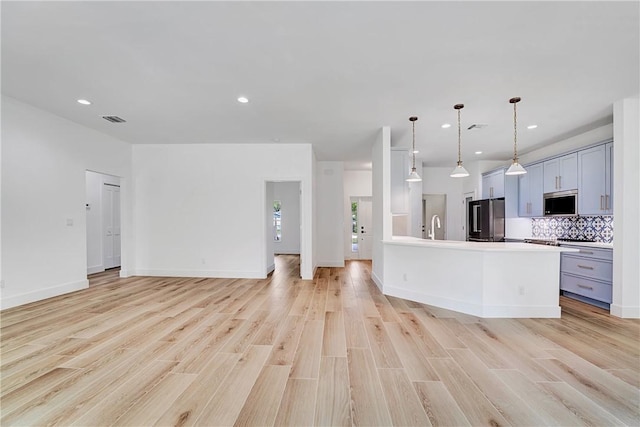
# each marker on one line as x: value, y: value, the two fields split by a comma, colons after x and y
x: 587, y: 275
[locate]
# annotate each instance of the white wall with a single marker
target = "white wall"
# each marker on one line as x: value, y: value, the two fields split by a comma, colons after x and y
x: 357, y: 183
x: 200, y: 207
x: 437, y: 181
x: 330, y: 220
x: 381, y: 201
x: 626, y: 205
x: 44, y: 160
x: 288, y: 193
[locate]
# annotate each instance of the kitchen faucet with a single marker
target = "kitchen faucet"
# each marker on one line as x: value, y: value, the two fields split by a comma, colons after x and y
x: 435, y: 221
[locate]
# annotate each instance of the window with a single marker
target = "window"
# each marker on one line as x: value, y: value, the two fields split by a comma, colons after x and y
x: 277, y: 221
x: 354, y: 226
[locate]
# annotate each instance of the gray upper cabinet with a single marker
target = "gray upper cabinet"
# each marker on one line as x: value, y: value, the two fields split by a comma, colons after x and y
x: 595, y: 180
x: 561, y: 173
x: 530, y: 193
x: 493, y: 184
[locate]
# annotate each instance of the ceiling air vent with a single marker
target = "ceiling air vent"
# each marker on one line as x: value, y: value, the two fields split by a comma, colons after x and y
x: 477, y: 126
x: 114, y: 119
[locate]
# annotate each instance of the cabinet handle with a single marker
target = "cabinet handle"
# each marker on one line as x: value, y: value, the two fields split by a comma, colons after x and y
x: 585, y: 287
x: 607, y: 203
x: 586, y: 267
x: 586, y: 252
x: 601, y: 203
x: 556, y: 186
x: 559, y: 182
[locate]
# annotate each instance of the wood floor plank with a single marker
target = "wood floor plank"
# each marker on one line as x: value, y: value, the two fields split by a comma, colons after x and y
x: 512, y: 407
x: 162, y: 395
x: 439, y: 405
x: 549, y: 409
x: 382, y: 348
x: 368, y: 406
x: 333, y: 407
x: 227, y: 402
x: 416, y: 365
x: 597, y: 384
x: 476, y: 407
x: 355, y: 333
x: 334, y: 342
x: 427, y: 343
x: 286, y: 342
x: 306, y: 362
x: 298, y: 403
x: 261, y: 406
x: 186, y: 409
x: 584, y: 408
x: 402, y: 400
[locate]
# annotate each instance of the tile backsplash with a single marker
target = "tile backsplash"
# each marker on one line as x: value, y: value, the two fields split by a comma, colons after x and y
x: 598, y: 228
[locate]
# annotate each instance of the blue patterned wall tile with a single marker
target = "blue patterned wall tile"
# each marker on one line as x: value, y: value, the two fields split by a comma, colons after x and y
x: 598, y: 228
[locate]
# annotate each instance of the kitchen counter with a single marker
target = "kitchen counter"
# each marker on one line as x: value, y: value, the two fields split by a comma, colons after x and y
x: 484, y: 279
x: 474, y: 246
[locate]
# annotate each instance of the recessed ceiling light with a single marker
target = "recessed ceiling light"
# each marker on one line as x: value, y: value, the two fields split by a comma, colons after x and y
x: 243, y: 100
x: 532, y: 126
x: 84, y: 102
x: 446, y: 126
x: 478, y: 152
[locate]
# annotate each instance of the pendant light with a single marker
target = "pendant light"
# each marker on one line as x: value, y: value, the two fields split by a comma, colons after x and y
x: 459, y: 171
x: 413, y: 176
x: 515, y: 168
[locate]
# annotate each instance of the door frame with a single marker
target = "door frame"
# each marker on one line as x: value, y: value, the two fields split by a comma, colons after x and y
x: 123, y: 183
x: 351, y: 200
x: 267, y: 266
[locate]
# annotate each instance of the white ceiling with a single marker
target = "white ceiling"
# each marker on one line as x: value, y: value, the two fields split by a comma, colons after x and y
x: 326, y: 73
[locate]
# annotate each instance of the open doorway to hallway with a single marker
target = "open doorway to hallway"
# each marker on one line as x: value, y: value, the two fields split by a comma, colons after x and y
x: 103, y: 230
x: 361, y: 230
x: 283, y: 222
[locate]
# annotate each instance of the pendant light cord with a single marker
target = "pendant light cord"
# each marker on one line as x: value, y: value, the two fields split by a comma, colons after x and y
x: 459, y: 154
x: 413, y: 152
x: 515, y: 133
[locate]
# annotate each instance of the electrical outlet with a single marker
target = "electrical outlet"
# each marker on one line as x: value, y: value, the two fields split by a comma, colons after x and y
x: 520, y: 290
x: 2, y: 283
x: 203, y: 261
x: 404, y: 277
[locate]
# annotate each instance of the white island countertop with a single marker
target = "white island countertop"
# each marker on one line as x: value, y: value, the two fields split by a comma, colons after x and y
x: 476, y: 246
x: 485, y: 279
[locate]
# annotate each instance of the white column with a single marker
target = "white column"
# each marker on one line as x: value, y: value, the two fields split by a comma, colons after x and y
x: 626, y: 192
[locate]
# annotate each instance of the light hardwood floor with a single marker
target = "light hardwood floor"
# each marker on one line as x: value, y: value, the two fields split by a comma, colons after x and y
x: 284, y: 351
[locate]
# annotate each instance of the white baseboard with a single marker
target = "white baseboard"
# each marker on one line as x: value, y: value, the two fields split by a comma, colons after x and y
x: 95, y: 269
x: 626, y: 312
x: 271, y: 268
x: 287, y: 253
x: 485, y: 311
x: 376, y: 280
x: 222, y: 274
x: 40, y: 294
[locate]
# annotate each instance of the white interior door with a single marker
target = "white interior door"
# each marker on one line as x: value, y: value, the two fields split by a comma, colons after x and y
x: 111, y: 225
x: 365, y: 236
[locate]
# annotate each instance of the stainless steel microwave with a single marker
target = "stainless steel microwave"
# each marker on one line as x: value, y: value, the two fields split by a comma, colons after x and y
x: 564, y: 203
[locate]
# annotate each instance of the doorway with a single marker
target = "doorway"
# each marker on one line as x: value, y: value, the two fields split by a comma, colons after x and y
x: 283, y: 221
x: 361, y: 237
x: 104, y: 242
x: 434, y: 214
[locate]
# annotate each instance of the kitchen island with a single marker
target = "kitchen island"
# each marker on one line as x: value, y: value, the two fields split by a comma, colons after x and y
x: 484, y: 279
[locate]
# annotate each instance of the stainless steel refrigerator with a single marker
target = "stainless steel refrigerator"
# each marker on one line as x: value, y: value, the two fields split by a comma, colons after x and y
x: 486, y: 220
